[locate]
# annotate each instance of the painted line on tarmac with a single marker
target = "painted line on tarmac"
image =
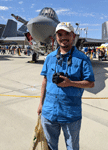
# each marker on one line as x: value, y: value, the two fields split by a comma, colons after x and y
x: 40, y: 96
x: 94, y: 97
x: 20, y: 96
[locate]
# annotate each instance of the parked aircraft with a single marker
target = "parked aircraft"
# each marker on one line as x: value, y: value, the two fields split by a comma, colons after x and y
x: 10, y: 35
x: 42, y: 28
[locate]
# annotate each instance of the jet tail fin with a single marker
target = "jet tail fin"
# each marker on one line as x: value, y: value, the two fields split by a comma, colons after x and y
x: 10, y: 29
x: 2, y: 26
x: 23, y: 28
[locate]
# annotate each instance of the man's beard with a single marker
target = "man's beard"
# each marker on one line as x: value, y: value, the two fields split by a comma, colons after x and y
x: 66, y: 46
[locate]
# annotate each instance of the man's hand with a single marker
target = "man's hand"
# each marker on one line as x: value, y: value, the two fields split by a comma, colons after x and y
x: 78, y: 84
x: 39, y: 109
x: 43, y: 91
x: 65, y: 83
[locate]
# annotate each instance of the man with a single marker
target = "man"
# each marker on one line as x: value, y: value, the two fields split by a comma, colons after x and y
x: 94, y: 52
x: 85, y: 50
x: 60, y: 102
x: 89, y: 52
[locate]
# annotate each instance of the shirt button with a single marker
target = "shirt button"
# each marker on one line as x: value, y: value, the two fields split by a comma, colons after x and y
x: 56, y: 96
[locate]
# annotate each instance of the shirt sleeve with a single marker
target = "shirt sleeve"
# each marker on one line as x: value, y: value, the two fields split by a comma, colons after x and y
x: 87, y: 71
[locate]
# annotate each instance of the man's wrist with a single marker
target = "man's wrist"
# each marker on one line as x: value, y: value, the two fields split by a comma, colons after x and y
x: 70, y: 83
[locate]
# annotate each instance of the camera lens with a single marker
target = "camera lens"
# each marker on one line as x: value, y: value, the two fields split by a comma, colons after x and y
x: 56, y: 79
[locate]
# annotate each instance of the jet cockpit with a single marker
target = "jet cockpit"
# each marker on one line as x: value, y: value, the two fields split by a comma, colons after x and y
x: 43, y: 26
x: 50, y: 13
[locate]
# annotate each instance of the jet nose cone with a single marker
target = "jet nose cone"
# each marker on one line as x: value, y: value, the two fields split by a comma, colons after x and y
x: 41, y: 28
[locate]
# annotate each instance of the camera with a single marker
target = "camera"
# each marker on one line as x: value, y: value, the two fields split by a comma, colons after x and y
x: 56, y: 79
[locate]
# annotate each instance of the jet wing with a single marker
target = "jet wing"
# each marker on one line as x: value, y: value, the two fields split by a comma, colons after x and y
x: 89, y: 42
x: 14, y: 41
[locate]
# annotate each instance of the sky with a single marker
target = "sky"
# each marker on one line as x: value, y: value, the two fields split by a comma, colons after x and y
x: 90, y: 14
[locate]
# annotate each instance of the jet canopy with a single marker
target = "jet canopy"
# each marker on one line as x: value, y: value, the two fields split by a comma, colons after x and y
x: 49, y: 12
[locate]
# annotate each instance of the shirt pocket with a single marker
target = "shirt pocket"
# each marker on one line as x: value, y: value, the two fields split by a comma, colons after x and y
x: 75, y: 72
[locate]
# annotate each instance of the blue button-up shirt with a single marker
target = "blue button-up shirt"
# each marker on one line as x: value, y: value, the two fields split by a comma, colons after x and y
x: 63, y: 104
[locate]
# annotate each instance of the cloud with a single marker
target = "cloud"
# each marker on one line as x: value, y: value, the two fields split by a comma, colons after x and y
x: 94, y: 29
x: 101, y: 17
x: 20, y: 2
x: 68, y: 12
x: 80, y: 14
x: 88, y: 24
x: 3, y: 8
x: 60, y: 11
x: 6, y: 0
x: 3, y: 18
x: 87, y: 14
x: 72, y: 13
x: 22, y: 9
x: 32, y: 5
x: 38, y: 10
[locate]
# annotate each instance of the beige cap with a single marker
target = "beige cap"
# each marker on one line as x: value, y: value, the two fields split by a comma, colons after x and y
x: 65, y: 26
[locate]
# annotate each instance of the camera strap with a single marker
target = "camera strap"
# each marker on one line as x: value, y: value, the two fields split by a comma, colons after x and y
x: 69, y: 61
x: 70, y: 56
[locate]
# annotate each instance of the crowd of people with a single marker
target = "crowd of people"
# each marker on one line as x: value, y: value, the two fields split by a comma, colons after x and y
x: 101, y: 53
x: 10, y: 49
x: 91, y: 52
x: 14, y: 50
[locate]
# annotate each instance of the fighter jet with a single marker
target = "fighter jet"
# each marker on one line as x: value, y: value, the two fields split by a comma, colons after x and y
x: 42, y: 27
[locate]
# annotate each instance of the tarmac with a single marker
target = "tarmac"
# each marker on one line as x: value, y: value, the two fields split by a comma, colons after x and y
x: 20, y: 88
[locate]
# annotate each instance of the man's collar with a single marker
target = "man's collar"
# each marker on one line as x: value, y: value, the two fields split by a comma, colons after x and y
x: 63, y: 54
